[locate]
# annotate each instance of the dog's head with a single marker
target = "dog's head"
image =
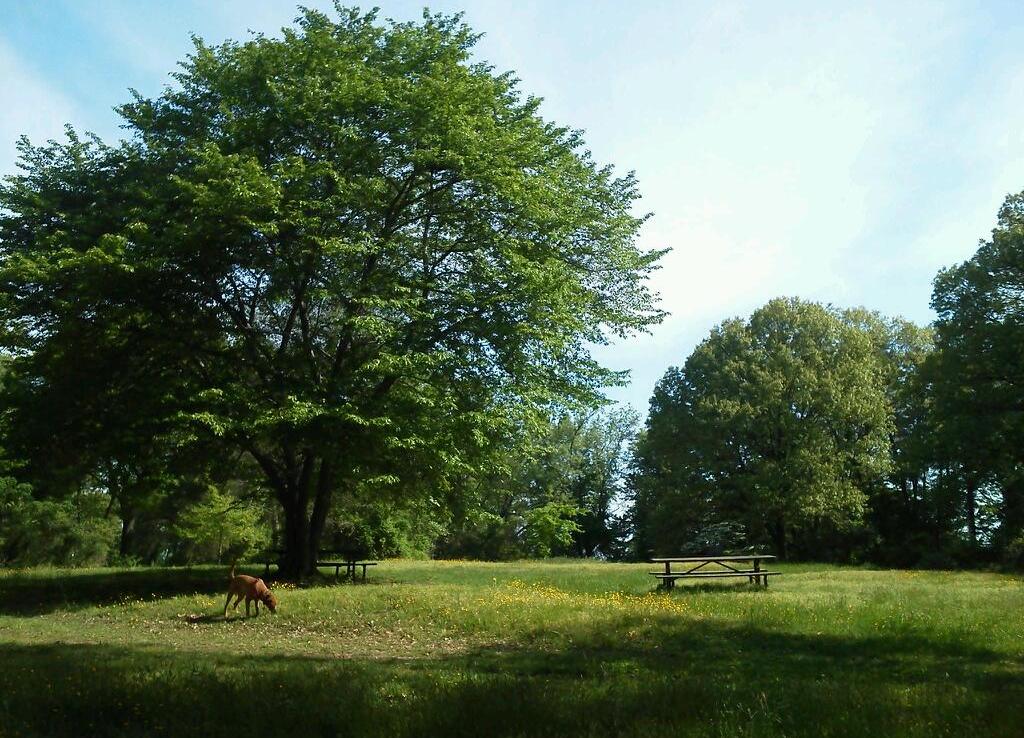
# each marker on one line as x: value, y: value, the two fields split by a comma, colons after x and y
x: 270, y: 601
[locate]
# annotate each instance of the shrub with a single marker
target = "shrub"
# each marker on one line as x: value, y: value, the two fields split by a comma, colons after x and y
x: 75, y: 531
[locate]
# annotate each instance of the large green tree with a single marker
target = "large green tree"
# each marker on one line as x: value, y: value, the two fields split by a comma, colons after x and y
x: 977, y: 372
x: 351, y: 251
x: 778, y: 423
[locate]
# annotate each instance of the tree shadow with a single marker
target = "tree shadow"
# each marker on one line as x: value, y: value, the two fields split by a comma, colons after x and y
x: 684, y: 588
x: 35, y: 592
x: 684, y: 678
x: 39, y: 591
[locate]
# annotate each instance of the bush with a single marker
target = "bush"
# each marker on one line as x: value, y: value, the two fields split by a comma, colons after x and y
x: 1013, y: 554
x: 550, y: 527
x: 75, y: 531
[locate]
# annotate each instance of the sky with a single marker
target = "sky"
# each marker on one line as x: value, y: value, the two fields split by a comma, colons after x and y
x: 838, y: 152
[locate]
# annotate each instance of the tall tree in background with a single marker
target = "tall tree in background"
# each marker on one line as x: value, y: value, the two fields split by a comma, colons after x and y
x: 906, y: 511
x: 978, y: 372
x: 349, y: 252
x: 779, y: 423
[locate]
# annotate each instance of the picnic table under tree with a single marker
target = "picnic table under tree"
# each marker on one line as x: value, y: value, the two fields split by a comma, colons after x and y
x: 327, y: 558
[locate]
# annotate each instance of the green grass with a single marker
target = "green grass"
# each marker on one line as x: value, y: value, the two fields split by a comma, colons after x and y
x: 555, y: 648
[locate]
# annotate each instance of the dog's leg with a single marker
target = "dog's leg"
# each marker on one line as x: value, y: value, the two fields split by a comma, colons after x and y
x: 237, y: 600
x: 247, y: 607
x: 226, y: 602
x: 257, y: 603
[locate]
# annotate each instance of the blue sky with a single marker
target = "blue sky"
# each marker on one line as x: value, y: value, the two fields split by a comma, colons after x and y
x: 840, y: 152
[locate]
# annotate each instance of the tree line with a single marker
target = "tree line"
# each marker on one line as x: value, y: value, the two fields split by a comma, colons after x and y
x: 338, y: 288
x: 821, y: 433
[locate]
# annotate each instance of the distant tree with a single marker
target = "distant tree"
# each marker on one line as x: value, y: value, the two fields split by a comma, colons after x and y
x: 222, y: 527
x: 906, y: 508
x: 978, y: 376
x: 559, y: 489
x: 778, y: 423
x: 601, y: 449
x: 351, y: 252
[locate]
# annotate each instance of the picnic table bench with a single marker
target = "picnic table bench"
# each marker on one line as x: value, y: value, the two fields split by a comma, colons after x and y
x: 728, y: 566
x: 350, y: 564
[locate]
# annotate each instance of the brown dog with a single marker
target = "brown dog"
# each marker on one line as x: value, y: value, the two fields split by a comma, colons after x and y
x: 252, y: 589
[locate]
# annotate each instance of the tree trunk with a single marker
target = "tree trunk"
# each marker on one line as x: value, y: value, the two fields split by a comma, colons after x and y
x: 303, y: 530
x: 129, y: 518
x: 779, y: 537
x: 972, y: 504
x: 295, y: 562
x: 321, y: 506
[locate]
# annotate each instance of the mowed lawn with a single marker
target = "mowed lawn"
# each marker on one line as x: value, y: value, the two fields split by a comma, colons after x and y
x: 555, y: 648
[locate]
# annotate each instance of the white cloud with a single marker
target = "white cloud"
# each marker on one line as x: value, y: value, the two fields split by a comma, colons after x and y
x: 31, y: 107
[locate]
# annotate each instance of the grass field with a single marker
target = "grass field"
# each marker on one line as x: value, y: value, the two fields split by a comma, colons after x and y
x: 554, y: 648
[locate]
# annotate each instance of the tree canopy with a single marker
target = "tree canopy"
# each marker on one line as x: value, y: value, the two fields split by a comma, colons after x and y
x: 352, y: 252
x: 343, y: 284
x: 977, y: 371
x: 777, y: 423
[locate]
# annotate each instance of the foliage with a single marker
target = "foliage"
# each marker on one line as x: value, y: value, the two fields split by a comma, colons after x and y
x: 976, y: 375
x: 359, y: 249
x: 715, y: 537
x: 557, y: 491
x: 908, y: 516
x: 75, y: 531
x: 221, y: 527
x: 550, y: 526
x: 382, y: 525
x: 779, y: 422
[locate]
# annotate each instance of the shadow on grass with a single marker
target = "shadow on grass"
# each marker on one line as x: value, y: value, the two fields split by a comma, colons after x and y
x: 206, y: 619
x: 687, y: 679
x: 218, y: 618
x: 684, y: 588
x: 36, y: 592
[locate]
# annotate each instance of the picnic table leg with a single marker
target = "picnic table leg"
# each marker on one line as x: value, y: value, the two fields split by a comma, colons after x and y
x: 364, y: 572
x: 758, y: 577
x: 336, y: 570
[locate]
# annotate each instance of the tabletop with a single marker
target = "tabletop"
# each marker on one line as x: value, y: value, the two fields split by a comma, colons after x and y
x: 743, y: 557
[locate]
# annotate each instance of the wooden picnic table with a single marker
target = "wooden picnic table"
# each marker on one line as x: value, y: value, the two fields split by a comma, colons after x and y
x: 323, y: 555
x: 727, y: 567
